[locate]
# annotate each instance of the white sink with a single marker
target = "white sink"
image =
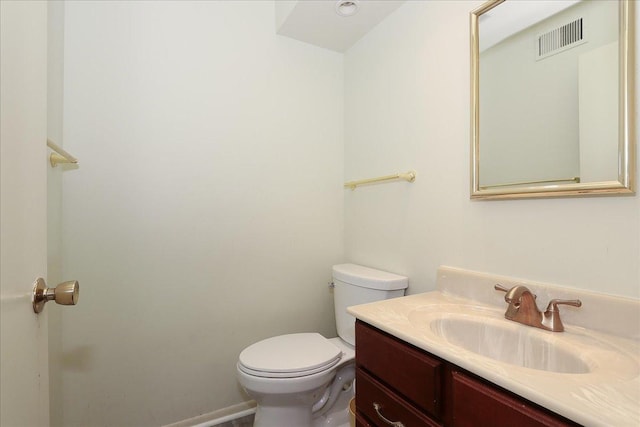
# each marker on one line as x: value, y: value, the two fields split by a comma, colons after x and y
x: 476, y: 333
x: 513, y: 344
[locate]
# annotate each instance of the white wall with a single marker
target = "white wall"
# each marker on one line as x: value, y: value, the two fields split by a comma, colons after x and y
x: 207, y: 209
x: 407, y: 106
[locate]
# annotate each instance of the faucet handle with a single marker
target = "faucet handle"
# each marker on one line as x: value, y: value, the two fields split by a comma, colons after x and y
x: 553, y: 304
x: 499, y: 287
x: 551, y: 318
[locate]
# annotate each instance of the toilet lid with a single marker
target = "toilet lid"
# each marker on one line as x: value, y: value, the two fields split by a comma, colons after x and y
x: 288, y: 356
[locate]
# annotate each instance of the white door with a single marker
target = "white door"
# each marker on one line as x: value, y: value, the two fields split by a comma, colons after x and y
x: 24, y: 396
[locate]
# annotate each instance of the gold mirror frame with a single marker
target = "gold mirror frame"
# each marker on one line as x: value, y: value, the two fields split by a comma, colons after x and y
x: 626, y: 144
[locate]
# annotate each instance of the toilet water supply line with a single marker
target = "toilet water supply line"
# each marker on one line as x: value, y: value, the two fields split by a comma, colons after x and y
x: 344, y: 376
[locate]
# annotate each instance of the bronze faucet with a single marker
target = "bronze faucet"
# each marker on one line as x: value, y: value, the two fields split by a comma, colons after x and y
x: 523, y: 308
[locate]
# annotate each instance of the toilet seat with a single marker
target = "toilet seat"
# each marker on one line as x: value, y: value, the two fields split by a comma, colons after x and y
x: 289, y: 356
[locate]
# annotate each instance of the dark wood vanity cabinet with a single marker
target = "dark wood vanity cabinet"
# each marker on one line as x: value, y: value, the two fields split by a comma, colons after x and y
x: 399, y: 382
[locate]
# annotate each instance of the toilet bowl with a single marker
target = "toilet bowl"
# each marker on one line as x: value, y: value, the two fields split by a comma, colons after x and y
x: 305, y: 379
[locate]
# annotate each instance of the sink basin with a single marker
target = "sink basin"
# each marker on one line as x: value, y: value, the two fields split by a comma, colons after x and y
x: 510, y: 343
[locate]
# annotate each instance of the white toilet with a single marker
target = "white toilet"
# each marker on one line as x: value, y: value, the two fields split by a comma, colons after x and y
x: 305, y: 379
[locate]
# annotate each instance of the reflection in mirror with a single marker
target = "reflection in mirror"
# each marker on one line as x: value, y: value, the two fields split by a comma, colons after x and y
x: 550, y: 98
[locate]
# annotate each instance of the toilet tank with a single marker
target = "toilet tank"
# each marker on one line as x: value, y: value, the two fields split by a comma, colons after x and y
x: 355, y: 284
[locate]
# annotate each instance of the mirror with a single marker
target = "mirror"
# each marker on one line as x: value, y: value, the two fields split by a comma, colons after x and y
x: 552, y: 98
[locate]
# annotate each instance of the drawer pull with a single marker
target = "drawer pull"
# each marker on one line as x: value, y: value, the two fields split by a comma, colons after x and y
x: 378, y: 407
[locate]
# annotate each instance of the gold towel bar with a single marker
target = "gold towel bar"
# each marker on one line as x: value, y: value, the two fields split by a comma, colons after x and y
x: 546, y: 181
x: 408, y: 176
x: 60, y: 155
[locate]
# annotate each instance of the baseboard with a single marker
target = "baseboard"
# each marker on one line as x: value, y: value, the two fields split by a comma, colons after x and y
x: 219, y: 417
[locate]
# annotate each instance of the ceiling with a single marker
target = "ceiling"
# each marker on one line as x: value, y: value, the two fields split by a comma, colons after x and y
x: 318, y: 23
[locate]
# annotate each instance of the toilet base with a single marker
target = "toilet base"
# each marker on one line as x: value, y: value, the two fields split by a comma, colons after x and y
x: 274, y: 417
x: 338, y: 416
x: 271, y: 414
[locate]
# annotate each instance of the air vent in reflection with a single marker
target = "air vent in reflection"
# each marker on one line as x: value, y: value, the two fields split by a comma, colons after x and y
x: 560, y: 39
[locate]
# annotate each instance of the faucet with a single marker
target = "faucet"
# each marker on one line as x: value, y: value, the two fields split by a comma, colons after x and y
x: 523, y: 308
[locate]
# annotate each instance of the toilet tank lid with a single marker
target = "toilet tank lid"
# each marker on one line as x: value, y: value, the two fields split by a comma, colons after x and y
x: 366, y: 277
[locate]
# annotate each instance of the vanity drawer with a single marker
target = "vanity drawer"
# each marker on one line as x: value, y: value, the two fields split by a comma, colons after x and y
x: 361, y: 422
x: 474, y: 401
x: 372, y: 393
x: 401, y: 367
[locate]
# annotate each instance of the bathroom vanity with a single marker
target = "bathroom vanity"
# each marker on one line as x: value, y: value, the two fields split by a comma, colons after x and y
x: 450, y: 358
x: 399, y: 382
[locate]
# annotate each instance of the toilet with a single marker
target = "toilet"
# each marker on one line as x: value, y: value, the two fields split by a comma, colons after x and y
x: 305, y: 379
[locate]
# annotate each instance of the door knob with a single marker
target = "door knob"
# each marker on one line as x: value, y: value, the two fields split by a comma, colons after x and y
x: 66, y: 293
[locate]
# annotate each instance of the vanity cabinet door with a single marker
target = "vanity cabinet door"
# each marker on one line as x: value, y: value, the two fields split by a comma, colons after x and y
x: 476, y: 403
x: 383, y: 406
x: 409, y: 371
